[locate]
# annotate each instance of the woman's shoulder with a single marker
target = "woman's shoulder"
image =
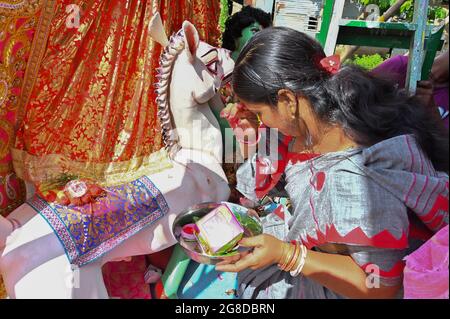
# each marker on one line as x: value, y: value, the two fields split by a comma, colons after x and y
x: 399, y: 153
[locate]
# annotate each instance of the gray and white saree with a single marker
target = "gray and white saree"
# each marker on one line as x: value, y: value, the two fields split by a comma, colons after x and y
x: 371, y: 201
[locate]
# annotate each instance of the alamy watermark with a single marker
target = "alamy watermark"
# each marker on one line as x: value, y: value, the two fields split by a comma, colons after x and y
x: 373, y: 277
x: 73, y: 20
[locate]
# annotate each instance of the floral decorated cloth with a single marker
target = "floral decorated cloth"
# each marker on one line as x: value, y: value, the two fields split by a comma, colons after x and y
x: 89, y: 231
x: 18, y: 20
x: 125, y: 279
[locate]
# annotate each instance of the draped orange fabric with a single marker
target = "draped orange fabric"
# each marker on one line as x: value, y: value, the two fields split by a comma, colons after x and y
x: 90, y: 110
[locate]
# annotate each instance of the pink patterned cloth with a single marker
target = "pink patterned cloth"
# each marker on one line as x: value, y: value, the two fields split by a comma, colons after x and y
x: 125, y: 280
x: 426, y: 271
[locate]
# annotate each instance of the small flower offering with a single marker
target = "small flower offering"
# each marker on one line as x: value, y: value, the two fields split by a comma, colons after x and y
x: 188, y: 232
x: 76, y: 188
x: 219, y: 231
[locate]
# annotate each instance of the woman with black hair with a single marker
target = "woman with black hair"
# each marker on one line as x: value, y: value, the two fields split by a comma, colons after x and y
x: 367, y: 170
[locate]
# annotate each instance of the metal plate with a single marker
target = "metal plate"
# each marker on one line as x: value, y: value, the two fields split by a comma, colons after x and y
x: 198, y: 211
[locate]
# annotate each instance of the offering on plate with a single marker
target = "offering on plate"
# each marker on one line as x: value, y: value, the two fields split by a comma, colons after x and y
x: 219, y: 231
x: 185, y: 224
x: 188, y: 232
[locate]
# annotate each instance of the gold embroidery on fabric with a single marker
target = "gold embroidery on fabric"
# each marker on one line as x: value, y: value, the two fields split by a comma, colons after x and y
x: 2, y: 289
x: 37, y: 51
x: 107, y: 174
x: 17, y: 25
x: 92, y: 101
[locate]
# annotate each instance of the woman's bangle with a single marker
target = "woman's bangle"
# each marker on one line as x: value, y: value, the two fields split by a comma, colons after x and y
x: 286, y: 249
x: 287, y: 257
x: 283, y: 255
x: 302, y: 262
x: 295, y: 256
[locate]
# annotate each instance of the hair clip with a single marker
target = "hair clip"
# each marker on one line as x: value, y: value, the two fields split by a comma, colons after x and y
x: 331, y: 64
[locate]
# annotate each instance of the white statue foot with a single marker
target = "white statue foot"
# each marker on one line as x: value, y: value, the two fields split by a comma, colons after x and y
x: 6, y: 228
x: 34, y: 265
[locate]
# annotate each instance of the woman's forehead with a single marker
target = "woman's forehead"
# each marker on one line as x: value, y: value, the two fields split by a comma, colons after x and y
x: 254, y: 106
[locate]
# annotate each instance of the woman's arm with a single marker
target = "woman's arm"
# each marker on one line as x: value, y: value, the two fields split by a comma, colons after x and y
x: 342, y: 275
x: 338, y: 273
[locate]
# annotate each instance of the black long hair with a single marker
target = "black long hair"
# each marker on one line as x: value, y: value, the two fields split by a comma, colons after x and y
x: 368, y: 108
x: 241, y: 20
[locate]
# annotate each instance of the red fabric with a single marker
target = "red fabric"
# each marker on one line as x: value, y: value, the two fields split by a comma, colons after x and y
x: 92, y: 110
x: 125, y: 280
x: 161, y: 259
x: 266, y: 182
x: 419, y: 231
x: 383, y: 239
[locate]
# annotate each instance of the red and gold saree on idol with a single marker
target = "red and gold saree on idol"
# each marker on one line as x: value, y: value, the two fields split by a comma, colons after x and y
x: 17, y: 25
x: 85, y: 105
x: 88, y: 103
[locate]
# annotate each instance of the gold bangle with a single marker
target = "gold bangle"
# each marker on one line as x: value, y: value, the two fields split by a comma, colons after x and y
x: 292, y: 263
x: 289, y: 257
x: 301, y: 262
x: 285, y: 253
x: 289, y: 261
x: 283, y: 256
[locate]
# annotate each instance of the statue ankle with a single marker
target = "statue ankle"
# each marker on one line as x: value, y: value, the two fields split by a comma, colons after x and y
x: 7, y: 227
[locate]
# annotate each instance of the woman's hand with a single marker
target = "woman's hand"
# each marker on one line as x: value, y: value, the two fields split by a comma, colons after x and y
x: 267, y: 250
x: 425, y: 92
x: 245, y: 126
x: 243, y: 122
x: 440, y: 69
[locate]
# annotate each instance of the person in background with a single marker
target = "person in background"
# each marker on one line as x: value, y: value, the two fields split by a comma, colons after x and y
x: 242, y: 26
x: 433, y: 93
